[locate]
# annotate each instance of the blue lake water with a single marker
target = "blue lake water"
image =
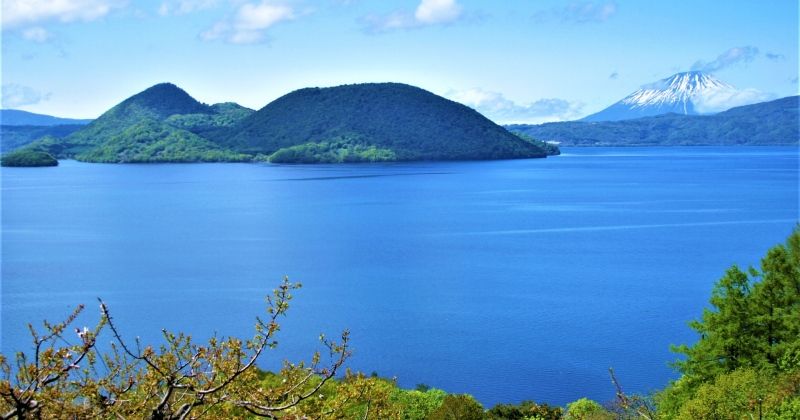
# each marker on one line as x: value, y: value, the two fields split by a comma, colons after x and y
x: 508, y: 280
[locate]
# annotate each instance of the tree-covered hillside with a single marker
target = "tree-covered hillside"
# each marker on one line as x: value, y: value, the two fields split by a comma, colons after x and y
x: 29, y: 158
x: 769, y: 123
x: 402, y: 121
x: 156, y: 125
x: 15, y: 136
x: 355, y: 123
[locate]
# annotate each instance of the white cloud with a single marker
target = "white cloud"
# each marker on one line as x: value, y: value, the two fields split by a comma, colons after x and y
x: 249, y: 24
x: 36, y: 34
x: 428, y: 12
x: 437, y: 11
x: 725, y: 99
x: 501, y: 110
x: 15, y: 95
x: 17, y: 13
x: 182, y: 7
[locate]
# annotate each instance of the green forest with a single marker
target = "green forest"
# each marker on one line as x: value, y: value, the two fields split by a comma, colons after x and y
x: 767, y: 124
x: 353, y: 123
x: 28, y: 158
x: 744, y: 365
x: 405, y: 121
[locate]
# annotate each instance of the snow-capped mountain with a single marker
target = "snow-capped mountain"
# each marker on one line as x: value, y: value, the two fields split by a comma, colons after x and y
x: 680, y: 93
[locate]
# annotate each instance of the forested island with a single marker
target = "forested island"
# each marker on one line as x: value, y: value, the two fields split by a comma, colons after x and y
x: 745, y: 364
x: 372, y: 122
x: 28, y: 158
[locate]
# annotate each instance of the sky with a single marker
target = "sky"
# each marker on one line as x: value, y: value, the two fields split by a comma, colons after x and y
x: 526, y: 61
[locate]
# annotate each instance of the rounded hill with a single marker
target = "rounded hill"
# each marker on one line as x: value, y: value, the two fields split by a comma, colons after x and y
x: 370, y: 122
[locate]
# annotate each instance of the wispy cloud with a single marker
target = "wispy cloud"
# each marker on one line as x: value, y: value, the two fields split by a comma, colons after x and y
x: 502, y: 110
x: 182, y: 7
x: 15, y: 95
x: 36, y: 34
x: 733, y: 56
x: 250, y: 22
x: 724, y: 99
x: 20, y: 13
x: 428, y: 12
x: 579, y: 12
x: 774, y: 56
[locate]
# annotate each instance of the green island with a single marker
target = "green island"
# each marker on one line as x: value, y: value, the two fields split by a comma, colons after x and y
x: 28, y: 157
x: 372, y: 122
x: 744, y: 365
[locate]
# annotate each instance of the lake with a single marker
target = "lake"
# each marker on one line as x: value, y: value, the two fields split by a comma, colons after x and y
x: 509, y: 280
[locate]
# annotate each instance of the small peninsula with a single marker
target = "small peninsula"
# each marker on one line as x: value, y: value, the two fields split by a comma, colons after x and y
x: 29, y: 158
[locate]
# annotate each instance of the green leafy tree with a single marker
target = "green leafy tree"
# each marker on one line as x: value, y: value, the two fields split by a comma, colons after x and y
x: 749, y: 346
x: 416, y: 404
x: 524, y: 411
x: 586, y: 409
x: 458, y: 407
x: 754, y: 320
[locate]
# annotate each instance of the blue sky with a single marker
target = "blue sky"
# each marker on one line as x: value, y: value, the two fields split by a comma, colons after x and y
x: 515, y: 61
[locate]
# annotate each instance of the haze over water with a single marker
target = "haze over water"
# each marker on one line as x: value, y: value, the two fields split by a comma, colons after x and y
x: 508, y: 280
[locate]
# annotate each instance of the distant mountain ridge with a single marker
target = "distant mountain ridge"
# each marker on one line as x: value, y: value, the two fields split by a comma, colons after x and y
x: 678, y: 94
x: 15, y: 117
x: 768, y: 123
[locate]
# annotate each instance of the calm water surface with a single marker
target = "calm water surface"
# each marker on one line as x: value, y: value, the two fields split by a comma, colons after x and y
x: 508, y: 280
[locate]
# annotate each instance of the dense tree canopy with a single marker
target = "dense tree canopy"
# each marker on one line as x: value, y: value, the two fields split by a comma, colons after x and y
x: 28, y: 157
x: 409, y: 122
x: 768, y: 123
x: 747, y: 359
x: 355, y: 123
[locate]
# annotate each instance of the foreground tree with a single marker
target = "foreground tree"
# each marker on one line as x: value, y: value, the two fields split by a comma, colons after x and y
x: 747, y: 360
x: 178, y: 380
x: 754, y: 320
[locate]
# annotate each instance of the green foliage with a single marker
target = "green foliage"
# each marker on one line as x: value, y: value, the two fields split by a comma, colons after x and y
x: 586, y: 409
x: 28, y: 157
x: 458, y: 407
x: 152, y: 141
x: 769, y: 123
x: 223, y: 115
x: 341, y: 150
x: 356, y: 123
x: 412, y: 123
x: 152, y: 126
x: 550, y: 148
x: 742, y: 393
x: 754, y: 320
x: 524, y: 411
x: 749, y: 346
x: 416, y: 404
x: 15, y: 136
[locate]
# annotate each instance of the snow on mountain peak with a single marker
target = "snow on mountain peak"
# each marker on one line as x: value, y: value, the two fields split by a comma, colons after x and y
x: 688, y: 93
x: 677, y: 90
